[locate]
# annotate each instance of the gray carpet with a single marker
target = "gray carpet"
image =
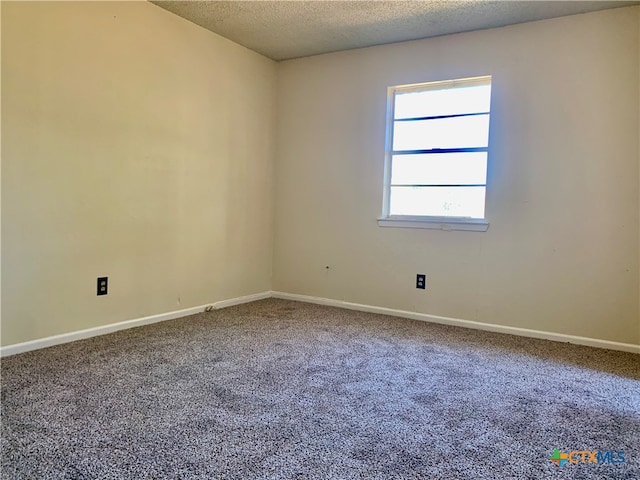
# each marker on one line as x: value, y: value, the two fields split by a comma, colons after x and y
x: 279, y: 389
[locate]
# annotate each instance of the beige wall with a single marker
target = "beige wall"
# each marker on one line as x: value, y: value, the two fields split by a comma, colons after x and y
x: 140, y: 146
x: 135, y: 145
x: 561, y: 254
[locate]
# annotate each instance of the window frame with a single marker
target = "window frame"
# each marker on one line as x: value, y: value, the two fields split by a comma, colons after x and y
x: 425, y: 221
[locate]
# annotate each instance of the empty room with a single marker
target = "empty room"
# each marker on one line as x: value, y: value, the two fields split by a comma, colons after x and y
x: 320, y: 240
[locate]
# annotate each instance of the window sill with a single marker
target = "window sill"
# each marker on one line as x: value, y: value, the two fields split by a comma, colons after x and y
x: 435, y: 223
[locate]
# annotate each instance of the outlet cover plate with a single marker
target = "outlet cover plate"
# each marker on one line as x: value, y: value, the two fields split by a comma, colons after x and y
x: 103, y: 285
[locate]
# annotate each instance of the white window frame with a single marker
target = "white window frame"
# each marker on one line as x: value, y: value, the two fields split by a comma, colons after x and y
x: 428, y: 222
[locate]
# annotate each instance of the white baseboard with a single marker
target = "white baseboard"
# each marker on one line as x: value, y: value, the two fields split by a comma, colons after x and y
x: 114, y: 327
x: 240, y: 300
x: 523, y: 332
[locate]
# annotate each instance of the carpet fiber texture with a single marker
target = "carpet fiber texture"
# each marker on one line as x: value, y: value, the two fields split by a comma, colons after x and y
x: 285, y: 390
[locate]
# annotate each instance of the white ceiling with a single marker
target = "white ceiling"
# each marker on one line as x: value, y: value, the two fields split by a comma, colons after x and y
x: 283, y: 30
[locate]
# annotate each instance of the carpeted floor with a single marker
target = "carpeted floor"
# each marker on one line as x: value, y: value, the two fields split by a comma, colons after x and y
x: 286, y: 390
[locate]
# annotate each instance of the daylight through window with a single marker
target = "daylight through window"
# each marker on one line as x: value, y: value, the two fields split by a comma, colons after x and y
x: 437, y: 146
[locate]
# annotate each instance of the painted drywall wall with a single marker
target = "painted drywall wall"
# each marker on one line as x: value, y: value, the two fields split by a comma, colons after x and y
x: 561, y: 252
x: 138, y: 146
x: 0, y: 174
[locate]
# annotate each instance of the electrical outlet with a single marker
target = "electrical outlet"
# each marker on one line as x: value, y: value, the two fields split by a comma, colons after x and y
x: 421, y: 281
x: 103, y: 285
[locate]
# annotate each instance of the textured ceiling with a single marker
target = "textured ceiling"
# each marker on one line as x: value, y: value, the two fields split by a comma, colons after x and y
x: 290, y: 29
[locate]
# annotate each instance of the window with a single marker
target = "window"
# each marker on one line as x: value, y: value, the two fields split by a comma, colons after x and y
x: 436, y: 155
